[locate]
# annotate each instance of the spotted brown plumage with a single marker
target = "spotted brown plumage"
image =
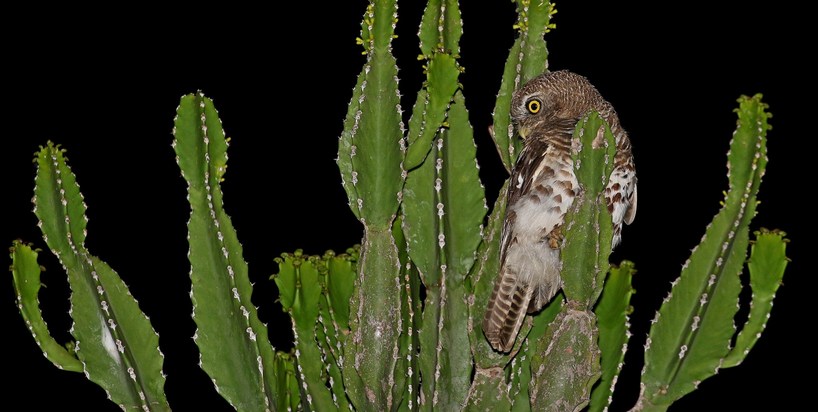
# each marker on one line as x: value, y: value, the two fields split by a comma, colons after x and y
x: 543, y: 186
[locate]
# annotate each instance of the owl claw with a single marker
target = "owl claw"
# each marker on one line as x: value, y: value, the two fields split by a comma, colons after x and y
x: 555, y: 238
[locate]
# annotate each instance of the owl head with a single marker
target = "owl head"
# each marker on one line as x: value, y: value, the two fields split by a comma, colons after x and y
x: 554, y: 100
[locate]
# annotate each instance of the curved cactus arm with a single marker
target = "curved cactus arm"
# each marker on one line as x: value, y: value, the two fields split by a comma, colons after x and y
x: 371, y: 145
x: 440, y: 30
x: 116, y: 343
x: 612, y: 316
x: 418, y: 218
x: 233, y: 344
x: 26, y: 275
x: 526, y: 60
x: 442, y: 72
x: 768, y: 259
x: 692, y: 332
x: 588, y: 229
x: 347, y: 148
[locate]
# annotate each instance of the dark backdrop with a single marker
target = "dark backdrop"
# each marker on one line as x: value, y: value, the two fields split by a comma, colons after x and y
x: 106, y: 88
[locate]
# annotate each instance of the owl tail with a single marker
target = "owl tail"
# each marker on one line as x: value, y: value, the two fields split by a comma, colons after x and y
x: 506, y: 310
x: 530, y: 277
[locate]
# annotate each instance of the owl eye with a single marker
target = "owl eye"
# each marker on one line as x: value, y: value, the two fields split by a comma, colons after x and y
x: 534, y: 106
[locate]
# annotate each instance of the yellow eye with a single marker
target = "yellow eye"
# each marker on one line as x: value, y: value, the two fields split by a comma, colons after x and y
x: 534, y: 106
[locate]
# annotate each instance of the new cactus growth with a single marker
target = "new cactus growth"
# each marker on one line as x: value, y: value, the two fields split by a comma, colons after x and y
x: 395, y: 323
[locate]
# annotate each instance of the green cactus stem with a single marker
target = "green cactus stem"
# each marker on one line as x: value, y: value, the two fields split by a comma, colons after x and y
x: 440, y: 31
x: 768, y: 259
x: 396, y: 323
x: 26, y: 273
x: 300, y: 294
x: 567, y: 350
x: 370, y: 158
x: 443, y: 211
x: 115, y: 341
x: 692, y: 332
x: 286, y: 384
x: 233, y: 344
x: 315, y: 292
x: 612, y: 317
x: 569, y: 347
x: 588, y: 227
x: 520, y: 366
x: 443, y: 208
x: 526, y: 59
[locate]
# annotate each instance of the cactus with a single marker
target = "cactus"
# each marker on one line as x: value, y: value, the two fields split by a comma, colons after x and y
x: 218, y: 272
x: 115, y: 343
x: 394, y: 324
x: 692, y: 333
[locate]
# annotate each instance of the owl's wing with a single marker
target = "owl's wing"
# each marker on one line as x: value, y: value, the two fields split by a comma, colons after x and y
x: 509, y: 302
x: 522, y: 178
x: 631, y: 212
x: 620, y: 195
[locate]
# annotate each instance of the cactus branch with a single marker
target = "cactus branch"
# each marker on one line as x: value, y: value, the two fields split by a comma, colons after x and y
x: 26, y: 273
x: 768, y: 260
x: 526, y: 59
x: 692, y: 332
x: 115, y: 341
x: 612, y: 313
x: 219, y: 276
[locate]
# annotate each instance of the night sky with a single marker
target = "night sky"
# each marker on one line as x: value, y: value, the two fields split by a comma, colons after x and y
x: 106, y: 89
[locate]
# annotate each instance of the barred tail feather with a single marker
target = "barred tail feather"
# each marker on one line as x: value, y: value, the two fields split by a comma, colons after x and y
x: 505, y: 311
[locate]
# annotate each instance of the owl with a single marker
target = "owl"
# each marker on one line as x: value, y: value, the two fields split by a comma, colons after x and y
x: 543, y: 186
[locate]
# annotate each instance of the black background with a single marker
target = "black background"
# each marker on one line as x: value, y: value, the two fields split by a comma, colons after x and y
x: 106, y: 88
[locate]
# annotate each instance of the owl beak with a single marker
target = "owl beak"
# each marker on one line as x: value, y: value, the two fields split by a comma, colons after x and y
x: 523, y: 131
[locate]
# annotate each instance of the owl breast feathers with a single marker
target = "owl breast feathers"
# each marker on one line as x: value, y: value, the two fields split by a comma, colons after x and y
x: 545, y: 112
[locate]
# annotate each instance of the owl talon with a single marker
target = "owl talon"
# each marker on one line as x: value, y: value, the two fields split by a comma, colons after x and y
x: 555, y: 238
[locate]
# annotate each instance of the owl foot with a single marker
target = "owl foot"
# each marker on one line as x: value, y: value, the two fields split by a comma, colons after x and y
x: 555, y: 238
